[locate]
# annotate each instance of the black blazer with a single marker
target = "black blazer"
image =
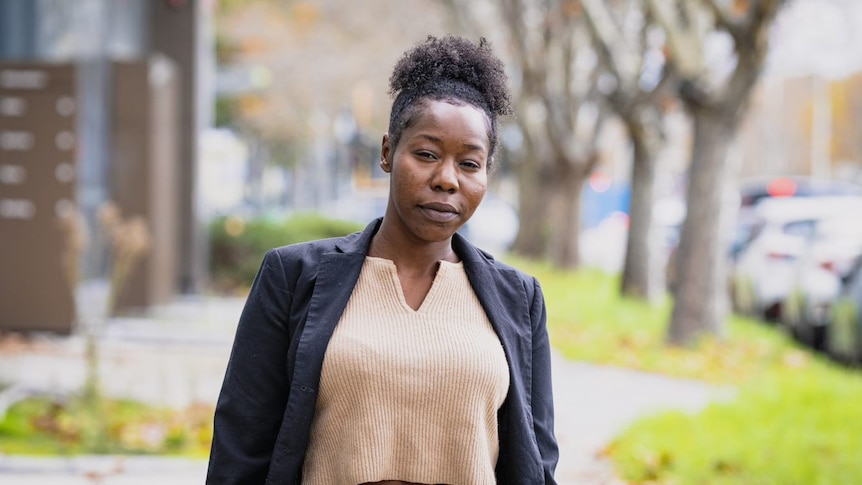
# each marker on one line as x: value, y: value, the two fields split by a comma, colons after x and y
x: 264, y: 412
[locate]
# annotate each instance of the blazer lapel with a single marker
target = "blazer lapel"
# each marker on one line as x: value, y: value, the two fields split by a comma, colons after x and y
x: 337, y: 275
x: 504, y: 298
x: 503, y: 301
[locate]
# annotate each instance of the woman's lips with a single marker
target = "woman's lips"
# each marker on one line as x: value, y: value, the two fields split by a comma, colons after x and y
x: 439, y: 212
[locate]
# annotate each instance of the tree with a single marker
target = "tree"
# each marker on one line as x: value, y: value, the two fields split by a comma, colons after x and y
x: 716, y: 96
x: 558, y: 113
x: 307, y: 62
x: 636, y: 93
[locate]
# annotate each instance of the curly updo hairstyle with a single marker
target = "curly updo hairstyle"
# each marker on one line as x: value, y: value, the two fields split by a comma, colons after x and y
x: 449, y: 69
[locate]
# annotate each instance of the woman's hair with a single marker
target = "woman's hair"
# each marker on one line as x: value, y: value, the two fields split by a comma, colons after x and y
x: 448, y: 69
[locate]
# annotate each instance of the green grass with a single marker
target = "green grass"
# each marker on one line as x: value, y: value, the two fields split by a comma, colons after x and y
x: 796, y: 418
x: 791, y: 429
x: 40, y: 426
x: 589, y: 321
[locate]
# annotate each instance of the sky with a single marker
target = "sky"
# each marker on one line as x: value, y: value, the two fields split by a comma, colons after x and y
x: 817, y: 37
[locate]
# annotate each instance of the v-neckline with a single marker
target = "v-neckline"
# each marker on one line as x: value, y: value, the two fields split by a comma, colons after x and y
x: 392, y: 271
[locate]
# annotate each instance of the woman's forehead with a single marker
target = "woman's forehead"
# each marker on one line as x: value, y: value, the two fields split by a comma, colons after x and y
x: 443, y: 118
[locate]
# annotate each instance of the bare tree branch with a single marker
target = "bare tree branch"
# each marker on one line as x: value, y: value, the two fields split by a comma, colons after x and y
x: 762, y: 14
x: 642, y: 42
x: 610, y: 43
x: 569, y: 54
x: 751, y: 53
x: 724, y: 21
x: 683, y: 37
x: 668, y: 78
x: 690, y: 17
x: 460, y: 15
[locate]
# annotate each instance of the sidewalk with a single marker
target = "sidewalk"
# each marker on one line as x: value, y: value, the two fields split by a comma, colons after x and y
x: 177, y: 356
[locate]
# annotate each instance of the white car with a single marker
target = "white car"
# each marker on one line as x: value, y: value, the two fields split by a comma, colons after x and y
x: 820, y: 274
x: 763, y: 271
x: 844, y: 339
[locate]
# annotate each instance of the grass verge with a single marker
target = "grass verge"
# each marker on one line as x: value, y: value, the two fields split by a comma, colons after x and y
x: 42, y: 426
x: 794, y: 420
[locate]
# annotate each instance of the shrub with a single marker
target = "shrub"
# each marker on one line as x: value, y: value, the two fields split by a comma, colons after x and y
x: 237, y: 245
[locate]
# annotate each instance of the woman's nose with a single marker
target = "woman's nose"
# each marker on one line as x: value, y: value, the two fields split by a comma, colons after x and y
x: 446, y: 177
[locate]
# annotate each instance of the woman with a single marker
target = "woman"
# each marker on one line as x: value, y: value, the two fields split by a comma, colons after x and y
x: 401, y: 354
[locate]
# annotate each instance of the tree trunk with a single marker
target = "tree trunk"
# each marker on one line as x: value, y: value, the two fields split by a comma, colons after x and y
x: 638, y: 270
x: 254, y: 176
x: 699, y: 307
x: 532, y: 201
x: 564, y: 217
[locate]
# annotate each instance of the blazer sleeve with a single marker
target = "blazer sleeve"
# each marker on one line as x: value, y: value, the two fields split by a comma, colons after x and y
x: 542, y: 392
x: 251, y: 404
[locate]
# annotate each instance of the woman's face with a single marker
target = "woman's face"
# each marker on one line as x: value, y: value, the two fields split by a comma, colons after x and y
x: 439, y: 170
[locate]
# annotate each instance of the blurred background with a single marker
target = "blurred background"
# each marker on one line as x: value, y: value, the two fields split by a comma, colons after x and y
x: 684, y: 177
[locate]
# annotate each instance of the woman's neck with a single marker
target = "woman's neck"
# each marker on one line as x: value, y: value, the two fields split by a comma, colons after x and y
x: 390, y: 244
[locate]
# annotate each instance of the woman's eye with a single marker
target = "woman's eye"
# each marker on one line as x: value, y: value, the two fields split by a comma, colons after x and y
x: 426, y: 155
x: 471, y: 164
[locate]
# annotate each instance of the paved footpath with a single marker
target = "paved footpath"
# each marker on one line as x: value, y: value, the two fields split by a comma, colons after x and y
x: 176, y: 356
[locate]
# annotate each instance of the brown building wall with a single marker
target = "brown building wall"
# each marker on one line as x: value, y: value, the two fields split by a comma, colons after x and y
x: 39, y: 228
x: 174, y: 32
x: 144, y: 172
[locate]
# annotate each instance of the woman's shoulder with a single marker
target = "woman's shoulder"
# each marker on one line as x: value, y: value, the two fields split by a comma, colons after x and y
x: 314, y: 251
x: 304, y: 251
x: 513, y: 272
x: 501, y: 270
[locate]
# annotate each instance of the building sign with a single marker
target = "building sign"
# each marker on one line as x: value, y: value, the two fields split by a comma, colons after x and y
x: 37, y: 197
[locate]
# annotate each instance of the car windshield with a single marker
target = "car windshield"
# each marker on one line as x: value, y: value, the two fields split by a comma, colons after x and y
x: 803, y: 228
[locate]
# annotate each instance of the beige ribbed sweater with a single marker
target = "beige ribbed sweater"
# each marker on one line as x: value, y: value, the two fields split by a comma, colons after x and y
x: 405, y: 394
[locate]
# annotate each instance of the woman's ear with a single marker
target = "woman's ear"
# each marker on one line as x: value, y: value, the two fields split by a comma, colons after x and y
x: 385, y: 154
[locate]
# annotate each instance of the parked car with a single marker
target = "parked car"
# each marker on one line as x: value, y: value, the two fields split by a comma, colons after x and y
x: 844, y: 339
x: 762, y: 274
x: 819, y: 276
x: 750, y: 193
x: 756, y: 189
